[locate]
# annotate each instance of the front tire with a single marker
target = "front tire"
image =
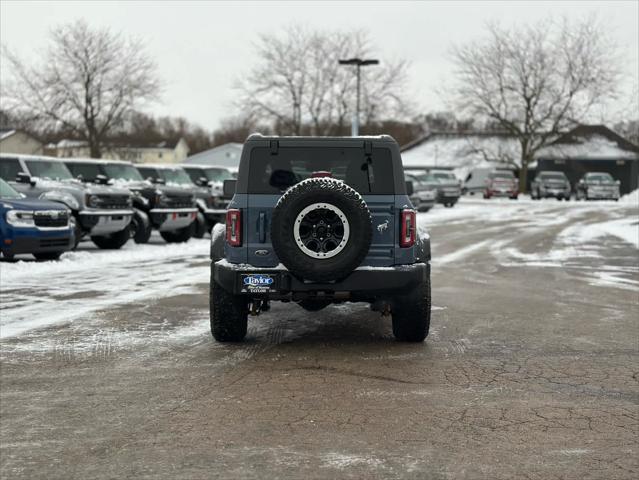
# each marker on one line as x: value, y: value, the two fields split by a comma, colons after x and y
x: 229, y: 314
x: 199, y: 226
x: 140, y: 227
x: 411, y: 313
x: 47, y: 255
x: 113, y: 241
x: 178, y: 236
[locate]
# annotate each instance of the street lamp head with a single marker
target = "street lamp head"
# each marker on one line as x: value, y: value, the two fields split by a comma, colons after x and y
x: 369, y: 62
x: 358, y: 62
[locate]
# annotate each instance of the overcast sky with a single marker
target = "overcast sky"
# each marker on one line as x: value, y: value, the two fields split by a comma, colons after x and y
x: 202, y: 47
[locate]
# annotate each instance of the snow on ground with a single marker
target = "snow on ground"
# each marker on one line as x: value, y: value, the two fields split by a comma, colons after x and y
x: 36, y: 294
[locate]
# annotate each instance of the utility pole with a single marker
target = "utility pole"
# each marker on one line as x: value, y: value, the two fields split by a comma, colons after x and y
x: 358, y: 62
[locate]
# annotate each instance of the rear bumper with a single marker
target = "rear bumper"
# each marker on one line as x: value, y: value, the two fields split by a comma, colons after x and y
x: 103, y: 222
x: 32, y: 240
x: 169, y: 219
x: 362, y: 282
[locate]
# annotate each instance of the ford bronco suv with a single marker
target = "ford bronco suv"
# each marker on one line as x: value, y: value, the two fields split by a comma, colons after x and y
x: 318, y: 221
x: 167, y: 209
x: 99, y: 211
x: 210, y: 211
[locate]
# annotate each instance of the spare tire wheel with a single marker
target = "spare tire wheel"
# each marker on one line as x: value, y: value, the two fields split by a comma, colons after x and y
x: 321, y: 229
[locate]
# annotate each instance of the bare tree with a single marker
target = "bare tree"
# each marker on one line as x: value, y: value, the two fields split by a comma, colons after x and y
x: 86, y: 83
x: 536, y: 81
x: 298, y: 82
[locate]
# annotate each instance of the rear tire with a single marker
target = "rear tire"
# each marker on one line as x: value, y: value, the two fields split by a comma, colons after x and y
x: 113, y: 241
x: 47, y: 255
x: 229, y: 314
x: 178, y: 236
x: 411, y: 313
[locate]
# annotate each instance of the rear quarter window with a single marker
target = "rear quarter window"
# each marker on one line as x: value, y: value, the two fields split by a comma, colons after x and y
x: 367, y: 174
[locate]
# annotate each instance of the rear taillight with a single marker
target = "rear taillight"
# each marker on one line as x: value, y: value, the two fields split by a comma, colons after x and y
x: 407, y: 236
x: 234, y: 227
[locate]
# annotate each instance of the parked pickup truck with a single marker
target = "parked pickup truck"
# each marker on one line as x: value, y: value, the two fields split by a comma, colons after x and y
x: 167, y: 209
x: 318, y: 221
x: 99, y: 211
x: 549, y: 184
x: 598, y: 186
x: 210, y: 210
x: 38, y: 227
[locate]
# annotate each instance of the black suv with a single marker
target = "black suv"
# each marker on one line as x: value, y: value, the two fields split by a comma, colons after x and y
x: 318, y: 221
x: 169, y: 210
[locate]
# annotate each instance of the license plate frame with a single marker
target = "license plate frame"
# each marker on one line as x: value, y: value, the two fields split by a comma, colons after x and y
x: 257, y: 282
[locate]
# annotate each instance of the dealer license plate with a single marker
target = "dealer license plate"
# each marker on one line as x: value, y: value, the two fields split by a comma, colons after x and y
x: 258, y: 283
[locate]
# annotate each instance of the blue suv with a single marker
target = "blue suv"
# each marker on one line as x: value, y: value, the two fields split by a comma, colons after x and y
x: 38, y: 227
x: 318, y: 221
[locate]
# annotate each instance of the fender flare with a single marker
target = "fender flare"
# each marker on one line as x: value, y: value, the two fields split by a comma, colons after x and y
x: 424, y: 246
x: 217, y: 242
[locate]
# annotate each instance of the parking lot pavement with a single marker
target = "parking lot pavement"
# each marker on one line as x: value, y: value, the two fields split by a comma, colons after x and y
x: 530, y: 370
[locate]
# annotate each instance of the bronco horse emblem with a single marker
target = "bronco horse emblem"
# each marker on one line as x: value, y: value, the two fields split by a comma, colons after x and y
x: 382, y: 226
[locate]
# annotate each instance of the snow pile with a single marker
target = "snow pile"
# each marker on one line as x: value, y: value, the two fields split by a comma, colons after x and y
x: 631, y: 198
x: 626, y: 229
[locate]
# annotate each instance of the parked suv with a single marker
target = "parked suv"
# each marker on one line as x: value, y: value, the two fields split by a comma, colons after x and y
x: 598, y: 186
x: 424, y: 190
x: 550, y: 184
x: 502, y: 183
x: 39, y: 227
x: 167, y: 209
x: 210, y: 175
x: 449, y: 189
x: 99, y: 211
x: 209, y: 207
x: 318, y: 221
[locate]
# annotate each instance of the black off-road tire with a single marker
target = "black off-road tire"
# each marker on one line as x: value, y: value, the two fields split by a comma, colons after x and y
x: 47, y: 255
x: 311, y: 305
x: 140, y: 227
x: 229, y: 314
x: 411, y: 314
x: 113, y: 241
x: 321, y: 190
x: 178, y: 236
x: 199, y: 226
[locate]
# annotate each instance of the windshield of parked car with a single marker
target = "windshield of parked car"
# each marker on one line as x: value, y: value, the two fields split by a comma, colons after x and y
x: 6, y: 191
x: 444, y: 176
x: 600, y: 178
x: 502, y: 175
x: 88, y: 171
x: 174, y: 175
x: 274, y: 173
x: 122, y: 171
x: 48, y: 169
x: 552, y: 175
x: 218, y: 174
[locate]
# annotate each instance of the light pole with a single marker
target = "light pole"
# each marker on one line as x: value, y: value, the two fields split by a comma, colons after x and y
x: 358, y: 62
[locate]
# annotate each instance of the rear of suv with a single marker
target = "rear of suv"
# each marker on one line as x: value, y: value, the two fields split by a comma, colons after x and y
x: 317, y: 221
x: 101, y: 212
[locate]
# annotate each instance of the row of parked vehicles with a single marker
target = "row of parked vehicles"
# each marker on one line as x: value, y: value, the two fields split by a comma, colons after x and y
x: 441, y: 186
x: 50, y: 204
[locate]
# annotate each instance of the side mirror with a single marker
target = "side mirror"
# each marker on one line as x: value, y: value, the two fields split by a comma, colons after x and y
x: 410, y: 189
x: 25, y: 178
x: 229, y: 188
x: 202, y: 182
x: 101, y: 179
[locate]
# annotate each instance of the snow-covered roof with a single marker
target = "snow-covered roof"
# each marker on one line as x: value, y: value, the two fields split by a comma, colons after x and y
x: 6, y: 133
x: 462, y: 150
x: 590, y: 142
x: 227, y: 155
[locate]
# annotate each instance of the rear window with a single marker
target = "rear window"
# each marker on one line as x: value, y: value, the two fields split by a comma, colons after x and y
x: 89, y: 171
x: 553, y: 175
x: 274, y: 173
x: 9, y: 169
x: 508, y: 175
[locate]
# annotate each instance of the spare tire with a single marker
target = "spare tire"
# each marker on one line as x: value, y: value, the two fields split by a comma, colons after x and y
x: 321, y: 229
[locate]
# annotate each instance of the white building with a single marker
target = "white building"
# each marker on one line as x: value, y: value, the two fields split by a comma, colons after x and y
x: 17, y: 141
x: 227, y: 155
x: 163, y: 152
